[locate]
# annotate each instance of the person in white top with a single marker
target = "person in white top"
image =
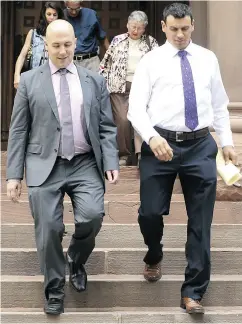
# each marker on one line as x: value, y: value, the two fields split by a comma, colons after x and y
x: 176, y: 94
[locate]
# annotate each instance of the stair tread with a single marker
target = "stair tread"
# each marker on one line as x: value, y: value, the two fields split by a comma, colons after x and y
x: 115, y: 278
x: 122, y: 197
x: 10, y: 224
x: 126, y: 310
x: 125, y: 211
x: 127, y: 249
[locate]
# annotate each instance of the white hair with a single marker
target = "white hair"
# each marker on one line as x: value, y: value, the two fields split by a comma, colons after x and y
x: 73, y: 1
x: 139, y: 16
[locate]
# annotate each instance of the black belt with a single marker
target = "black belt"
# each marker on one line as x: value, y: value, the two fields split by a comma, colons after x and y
x: 182, y: 136
x: 81, y: 57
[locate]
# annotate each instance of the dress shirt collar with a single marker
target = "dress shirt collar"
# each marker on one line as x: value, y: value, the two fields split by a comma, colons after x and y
x: 71, y: 68
x: 172, y: 50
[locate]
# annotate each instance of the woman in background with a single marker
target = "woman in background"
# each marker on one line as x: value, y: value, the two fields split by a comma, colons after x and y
x: 118, y: 67
x: 36, y: 38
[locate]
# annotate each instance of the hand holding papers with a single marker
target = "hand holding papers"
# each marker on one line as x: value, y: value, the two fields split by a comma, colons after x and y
x: 228, y: 172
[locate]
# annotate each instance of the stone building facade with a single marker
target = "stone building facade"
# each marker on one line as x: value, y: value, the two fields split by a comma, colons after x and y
x: 217, y: 26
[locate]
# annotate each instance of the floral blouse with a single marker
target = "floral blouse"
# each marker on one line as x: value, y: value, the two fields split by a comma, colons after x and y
x: 113, y: 67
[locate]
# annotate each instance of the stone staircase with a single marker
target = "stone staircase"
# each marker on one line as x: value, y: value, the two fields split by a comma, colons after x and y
x: 117, y: 292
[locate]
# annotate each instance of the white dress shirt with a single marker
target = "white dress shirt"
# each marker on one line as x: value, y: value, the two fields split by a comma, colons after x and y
x: 157, y: 98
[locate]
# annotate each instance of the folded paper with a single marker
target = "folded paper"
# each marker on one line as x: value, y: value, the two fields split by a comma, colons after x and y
x: 228, y: 172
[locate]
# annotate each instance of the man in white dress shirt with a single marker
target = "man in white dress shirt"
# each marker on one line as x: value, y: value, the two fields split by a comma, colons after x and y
x: 177, y: 93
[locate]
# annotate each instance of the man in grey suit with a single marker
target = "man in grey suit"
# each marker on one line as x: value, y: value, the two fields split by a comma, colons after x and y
x: 62, y: 131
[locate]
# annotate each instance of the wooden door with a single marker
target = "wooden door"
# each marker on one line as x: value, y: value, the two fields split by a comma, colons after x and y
x: 7, y: 62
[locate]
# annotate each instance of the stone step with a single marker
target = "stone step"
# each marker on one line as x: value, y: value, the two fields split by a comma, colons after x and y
x: 229, y: 193
x: 131, y: 172
x: 237, y: 138
x: 161, y: 315
x: 126, y: 172
x: 109, y: 197
x: 125, y: 236
x: 131, y: 186
x: 125, y: 211
x: 119, y: 291
x: 126, y: 186
x: 24, y: 262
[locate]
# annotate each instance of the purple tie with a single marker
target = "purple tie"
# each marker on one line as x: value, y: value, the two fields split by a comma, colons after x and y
x: 191, y: 118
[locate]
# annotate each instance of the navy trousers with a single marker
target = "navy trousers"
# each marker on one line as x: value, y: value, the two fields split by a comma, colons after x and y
x: 195, y: 163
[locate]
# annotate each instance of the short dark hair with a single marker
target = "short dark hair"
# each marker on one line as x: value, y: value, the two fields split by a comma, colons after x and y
x: 42, y: 24
x: 177, y: 10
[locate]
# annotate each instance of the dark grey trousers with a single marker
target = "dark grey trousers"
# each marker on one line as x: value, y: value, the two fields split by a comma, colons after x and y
x: 80, y: 179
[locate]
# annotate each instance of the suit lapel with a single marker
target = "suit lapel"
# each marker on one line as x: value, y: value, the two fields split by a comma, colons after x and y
x: 87, y: 94
x: 46, y: 82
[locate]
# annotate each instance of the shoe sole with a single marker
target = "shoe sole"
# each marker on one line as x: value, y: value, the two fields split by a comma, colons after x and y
x: 53, y: 313
x: 193, y: 311
x: 196, y: 311
x: 150, y: 279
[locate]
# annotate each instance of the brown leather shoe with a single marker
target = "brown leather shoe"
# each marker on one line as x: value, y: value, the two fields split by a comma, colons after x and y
x: 152, y: 272
x: 192, y: 306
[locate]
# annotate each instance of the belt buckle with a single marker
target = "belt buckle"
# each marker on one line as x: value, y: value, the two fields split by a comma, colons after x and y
x: 177, y: 137
x: 79, y: 57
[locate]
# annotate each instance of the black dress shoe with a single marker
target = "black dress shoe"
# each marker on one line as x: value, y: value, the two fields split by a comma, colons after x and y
x: 78, y: 276
x: 54, y: 306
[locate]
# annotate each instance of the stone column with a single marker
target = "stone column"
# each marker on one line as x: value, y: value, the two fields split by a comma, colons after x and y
x: 225, y: 40
x: 199, y: 10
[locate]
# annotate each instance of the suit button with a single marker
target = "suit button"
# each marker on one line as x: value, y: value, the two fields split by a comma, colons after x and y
x: 55, y: 150
x: 58, y: 128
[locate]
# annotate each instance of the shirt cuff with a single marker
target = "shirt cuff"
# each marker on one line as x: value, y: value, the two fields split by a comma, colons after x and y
x: 147, y: 136
x: 102, y: 35
x: 226, y: 139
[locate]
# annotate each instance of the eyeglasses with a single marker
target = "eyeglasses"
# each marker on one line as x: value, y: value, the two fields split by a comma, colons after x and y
x: 70, y: 9
x: 135, y: 28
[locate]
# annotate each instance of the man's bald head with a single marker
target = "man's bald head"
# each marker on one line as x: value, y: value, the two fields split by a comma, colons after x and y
x: 61, y: 42
x: 59, y: 26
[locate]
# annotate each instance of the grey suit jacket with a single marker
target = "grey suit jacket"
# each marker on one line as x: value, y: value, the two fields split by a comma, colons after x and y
x: 34, y: 134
